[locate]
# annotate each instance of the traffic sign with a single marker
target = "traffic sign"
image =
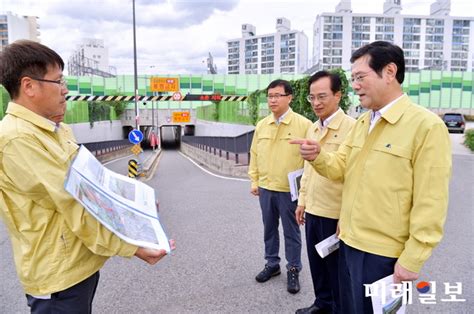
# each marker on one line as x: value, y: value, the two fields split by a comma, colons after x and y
x: 181, y: 117
x: 177, y: 96
x: 135, y: 136
x: 136, y: 149
x: 164, y: 84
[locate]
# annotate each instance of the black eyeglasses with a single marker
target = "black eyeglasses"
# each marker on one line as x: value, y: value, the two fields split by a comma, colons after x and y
x: 61, y: 82
x: 276, y: 96
x: 359, y: 77
x: 320, y: 98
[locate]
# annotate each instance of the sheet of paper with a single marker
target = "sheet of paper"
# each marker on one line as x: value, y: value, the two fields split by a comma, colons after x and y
x: 294, y: 179
x: 327, y: 246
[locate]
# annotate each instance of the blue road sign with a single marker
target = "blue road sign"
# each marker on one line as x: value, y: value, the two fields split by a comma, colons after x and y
x: 135, y: 136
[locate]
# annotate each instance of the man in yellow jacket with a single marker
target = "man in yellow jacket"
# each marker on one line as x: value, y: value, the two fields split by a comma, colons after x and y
x: 396, y: 165
x: 271, y: 159
x: 58, y: 246
x: 319, y: 201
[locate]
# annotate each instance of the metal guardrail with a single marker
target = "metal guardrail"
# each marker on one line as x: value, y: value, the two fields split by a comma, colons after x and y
x: 101, y: 148
x: 237, y: 146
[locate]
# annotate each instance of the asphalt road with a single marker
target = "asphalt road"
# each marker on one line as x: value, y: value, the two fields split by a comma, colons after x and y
x: 217, y: 227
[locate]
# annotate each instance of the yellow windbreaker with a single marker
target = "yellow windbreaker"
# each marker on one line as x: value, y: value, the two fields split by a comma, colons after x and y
x: 396, y: 180
x: 319, y: 195
x: 56, y: 242
x: 271, y: 156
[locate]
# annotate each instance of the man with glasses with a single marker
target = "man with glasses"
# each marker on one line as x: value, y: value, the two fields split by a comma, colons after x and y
x: 271, y: 159
x: 319, y: 201
x: 58, y: 246
x: 396, y: 165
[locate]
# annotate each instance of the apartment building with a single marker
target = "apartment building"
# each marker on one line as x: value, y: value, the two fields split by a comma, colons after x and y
x: 285, y: 51
x: 437, y: 41
x: 14, y: 27
x: 90, y: 58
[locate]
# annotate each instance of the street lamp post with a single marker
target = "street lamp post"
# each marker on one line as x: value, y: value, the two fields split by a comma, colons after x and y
x: 153, y: 115
x: 137, y: 112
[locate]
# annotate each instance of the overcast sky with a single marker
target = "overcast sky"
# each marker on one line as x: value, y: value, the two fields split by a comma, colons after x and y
x: 175, y: 36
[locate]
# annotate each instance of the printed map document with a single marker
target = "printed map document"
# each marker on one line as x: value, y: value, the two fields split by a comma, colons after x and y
x: 123, y: 205
x: 387, y: 297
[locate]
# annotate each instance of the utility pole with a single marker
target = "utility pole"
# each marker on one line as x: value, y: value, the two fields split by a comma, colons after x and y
x: 137, y: 112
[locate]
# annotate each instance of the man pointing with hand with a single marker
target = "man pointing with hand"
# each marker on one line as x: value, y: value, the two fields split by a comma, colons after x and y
x: 396, y: 165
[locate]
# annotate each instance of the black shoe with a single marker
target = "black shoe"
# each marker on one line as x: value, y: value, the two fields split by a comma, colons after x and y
x: 313, y: 309
x: 293, y: 282
x: 267, y: 273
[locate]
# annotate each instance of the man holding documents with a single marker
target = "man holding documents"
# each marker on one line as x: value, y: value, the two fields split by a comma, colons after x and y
x: 396, y: 164
x: 319, y: 201
x: 272, y: 157
x: 58, y: 246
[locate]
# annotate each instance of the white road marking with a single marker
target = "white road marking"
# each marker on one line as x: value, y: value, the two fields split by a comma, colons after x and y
x: 114, y: 160
x: 212, y: 174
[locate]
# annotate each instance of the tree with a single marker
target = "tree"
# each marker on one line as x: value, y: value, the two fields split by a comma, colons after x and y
x: 253, y: 102
x: 4, y: 99
x: 98, y: 111
x: 345, y: 102
x: 299, y: 103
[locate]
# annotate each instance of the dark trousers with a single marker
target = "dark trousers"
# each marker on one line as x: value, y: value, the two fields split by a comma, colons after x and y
x: 76, y: 299
x: 357, y: 268
x: 275, y: 205
x: 324, y: 271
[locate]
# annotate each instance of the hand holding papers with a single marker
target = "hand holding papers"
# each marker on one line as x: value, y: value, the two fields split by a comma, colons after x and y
x: 388, y: 297
x: 327, y: 246
x: 124, y: 206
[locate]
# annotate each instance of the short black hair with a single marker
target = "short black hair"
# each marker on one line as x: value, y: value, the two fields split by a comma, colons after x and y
x: 285, y: 84
x: 382, y: 53
x: 333, y: 77
x: 25, y: 58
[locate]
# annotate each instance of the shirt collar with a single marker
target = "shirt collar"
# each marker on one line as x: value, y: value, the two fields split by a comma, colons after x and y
x: 329, y: 119
x: 282, y: 117
x: 22, y: 112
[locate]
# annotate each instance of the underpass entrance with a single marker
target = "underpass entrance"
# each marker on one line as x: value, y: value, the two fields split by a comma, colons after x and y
x: 170, y: 136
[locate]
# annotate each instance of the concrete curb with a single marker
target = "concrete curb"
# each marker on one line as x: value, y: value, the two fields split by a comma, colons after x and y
x: 149, y: 164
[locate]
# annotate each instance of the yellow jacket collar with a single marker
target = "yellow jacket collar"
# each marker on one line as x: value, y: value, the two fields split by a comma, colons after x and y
x: 286, y: 120
x: 396, y: 111
x: 335, y: 122
x: 23, y: 113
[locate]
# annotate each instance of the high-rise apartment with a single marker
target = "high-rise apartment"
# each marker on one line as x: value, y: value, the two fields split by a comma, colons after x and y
x: 438, y: 41
x: 285, y: 51
x: 90, y: 58
x: 14, y: 27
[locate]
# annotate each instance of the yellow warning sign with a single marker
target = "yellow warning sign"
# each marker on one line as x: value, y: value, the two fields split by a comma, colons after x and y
x: 164, y: 84
x: 181, y: 116
x: 136, y: 149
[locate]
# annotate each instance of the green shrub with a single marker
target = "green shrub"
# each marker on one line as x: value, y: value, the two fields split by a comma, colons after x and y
x: 469, y: 139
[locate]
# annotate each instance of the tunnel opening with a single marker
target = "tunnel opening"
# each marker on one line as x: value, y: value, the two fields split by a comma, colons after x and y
x: 170, y: 136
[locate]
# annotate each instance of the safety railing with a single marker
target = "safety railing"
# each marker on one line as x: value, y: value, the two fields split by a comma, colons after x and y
x: 101, y: 148
x: 232, y: 148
